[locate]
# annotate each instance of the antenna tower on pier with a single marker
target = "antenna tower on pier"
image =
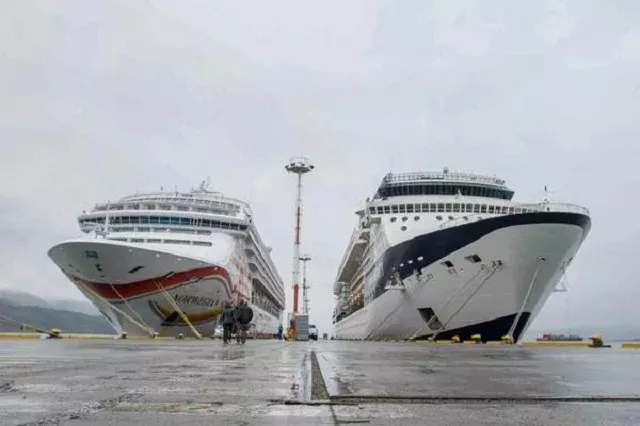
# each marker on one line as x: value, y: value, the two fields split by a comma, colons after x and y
x: 299, y: 166
x: 305, y: 286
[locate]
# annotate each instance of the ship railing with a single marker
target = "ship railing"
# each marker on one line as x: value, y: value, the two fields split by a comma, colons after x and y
x: 524, y: 208
x: 448, y: 176
x: 355, y: 234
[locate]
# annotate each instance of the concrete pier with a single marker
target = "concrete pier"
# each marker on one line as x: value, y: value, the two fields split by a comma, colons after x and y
x: 109, y: 382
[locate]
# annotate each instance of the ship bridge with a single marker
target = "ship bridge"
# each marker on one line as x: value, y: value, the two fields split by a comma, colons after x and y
x: 443, y: 183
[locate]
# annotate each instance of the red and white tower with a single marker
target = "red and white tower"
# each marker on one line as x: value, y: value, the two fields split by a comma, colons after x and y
x: 299, y: 166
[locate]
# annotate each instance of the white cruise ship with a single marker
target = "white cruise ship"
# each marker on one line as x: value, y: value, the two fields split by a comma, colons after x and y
x: 167, y: 262
x: 440, y: 254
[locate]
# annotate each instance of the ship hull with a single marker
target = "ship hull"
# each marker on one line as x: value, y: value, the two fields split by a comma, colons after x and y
x: 500, y: 273
x: 137, y: 288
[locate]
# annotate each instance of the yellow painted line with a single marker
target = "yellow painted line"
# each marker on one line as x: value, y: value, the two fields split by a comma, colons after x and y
x: 21, y: 336
x: 88, y: 336
x: 630, y: 345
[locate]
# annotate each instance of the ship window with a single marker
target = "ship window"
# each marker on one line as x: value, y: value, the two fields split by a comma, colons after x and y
x: 448, y: 207
x: 447, y: 263
x: 416, y: 218
x: 491, y: 209
x: 393, y: 219
x: 91, y: 254
x: 403, y: 228
x: 518, y: 209
x: 505, y: 209
x: 425, y: 208
x: 380, y: 210
x: 394, y: 209
x: 469, y: 208
x: 387, y: 209
x: 483, y: 208
x: 137, y: 240
x: 420, y: 258
x: 409, y: 208
x: 511, y: 210
x: 202, y: 243
x: 440, y: 207
x: 456, y: 208
x: 154, y: 240
x: 372, y: 210
x: 135, y: 269
x: 474, y: 258
x: 184, y: 242
x: 432, y: 208
x: 402, y: 208
x: 404, y: 218
x: 439, y: 217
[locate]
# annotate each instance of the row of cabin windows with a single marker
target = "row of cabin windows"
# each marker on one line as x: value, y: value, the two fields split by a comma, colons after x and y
x: 261, y: 298
x: 159, y: 241
x: 448, y: 208
x: 220, y: 208
x: 443, y: 189
x: 165, y: 220
x: 158, y: 229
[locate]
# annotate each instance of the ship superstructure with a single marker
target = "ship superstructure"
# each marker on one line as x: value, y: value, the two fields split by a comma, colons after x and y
x: 438, y: 254
x: 167, y: 262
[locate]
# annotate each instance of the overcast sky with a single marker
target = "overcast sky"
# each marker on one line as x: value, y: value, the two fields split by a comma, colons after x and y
x: 101, y: 99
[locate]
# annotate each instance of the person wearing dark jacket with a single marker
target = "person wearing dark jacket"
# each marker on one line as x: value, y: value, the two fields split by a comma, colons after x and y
x: 228, y: 319
x: 244, y: 315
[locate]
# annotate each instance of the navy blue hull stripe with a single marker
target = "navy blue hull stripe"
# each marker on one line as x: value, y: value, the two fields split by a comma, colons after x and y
x: 439, y: 244
x: 489, y: 331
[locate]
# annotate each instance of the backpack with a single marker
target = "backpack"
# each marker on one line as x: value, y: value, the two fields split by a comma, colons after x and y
x: 246, y: 315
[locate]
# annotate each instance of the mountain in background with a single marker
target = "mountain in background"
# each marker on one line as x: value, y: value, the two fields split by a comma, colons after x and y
x: 21, y: 298
x: 71, y: 316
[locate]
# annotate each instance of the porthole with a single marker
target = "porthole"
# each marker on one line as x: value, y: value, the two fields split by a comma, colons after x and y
x: 416, y: 218
x: 404, y: 218
x: 439, y: 217
x: 450, y: 217
x: 393, y: 219
x: 420, y: 258
x: 403, y: 228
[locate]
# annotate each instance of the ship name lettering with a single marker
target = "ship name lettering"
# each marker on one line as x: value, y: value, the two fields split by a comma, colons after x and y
x: 196, y: 300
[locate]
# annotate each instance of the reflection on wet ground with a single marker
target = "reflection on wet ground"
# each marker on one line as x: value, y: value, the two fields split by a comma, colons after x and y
x: 270, y: 382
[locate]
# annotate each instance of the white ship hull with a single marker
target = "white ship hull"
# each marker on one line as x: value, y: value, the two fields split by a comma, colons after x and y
x: 522, y: 259
x: 135, y: 285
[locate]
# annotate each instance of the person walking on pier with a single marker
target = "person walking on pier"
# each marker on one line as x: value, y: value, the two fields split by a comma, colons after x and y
x: 244, y: 317
x: 228, y: 319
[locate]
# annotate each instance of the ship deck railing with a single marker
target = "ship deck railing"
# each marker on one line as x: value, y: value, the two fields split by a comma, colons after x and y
x: 448, y: 176
x: 524, y: 208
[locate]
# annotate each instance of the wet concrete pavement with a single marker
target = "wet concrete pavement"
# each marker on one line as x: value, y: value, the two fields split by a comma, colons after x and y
x: 73, y: 382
